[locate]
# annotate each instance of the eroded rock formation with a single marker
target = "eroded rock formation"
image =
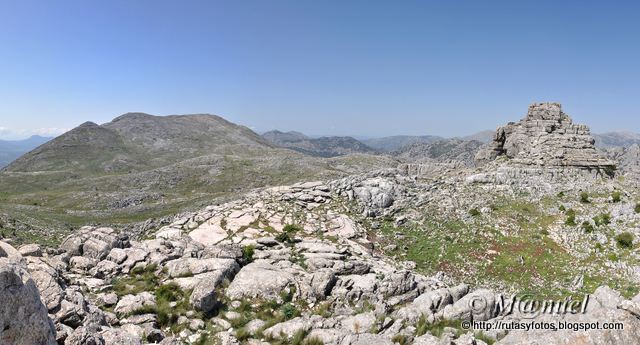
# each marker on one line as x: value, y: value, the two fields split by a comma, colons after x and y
x: 546, y: 137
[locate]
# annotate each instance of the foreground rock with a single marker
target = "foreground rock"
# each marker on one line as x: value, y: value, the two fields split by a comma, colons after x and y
x: 23, y: 317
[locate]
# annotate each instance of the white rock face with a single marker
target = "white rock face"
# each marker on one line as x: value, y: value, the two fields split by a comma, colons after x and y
x: 546, y: 137
x: 259, y: 279
x: 23, y: 316
x: 209, y: 233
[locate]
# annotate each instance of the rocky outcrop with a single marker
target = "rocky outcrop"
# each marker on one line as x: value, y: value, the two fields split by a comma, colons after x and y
x: 311, y: 260
x: 23, y: 316
x: 627, y: 160
x: 547, y: 138
x: 447, y: 151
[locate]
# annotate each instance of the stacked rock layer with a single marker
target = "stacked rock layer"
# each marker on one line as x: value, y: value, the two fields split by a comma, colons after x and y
x: 546, y: 137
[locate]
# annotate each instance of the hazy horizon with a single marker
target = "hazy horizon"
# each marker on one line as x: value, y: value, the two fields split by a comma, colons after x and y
x: 354, y: 68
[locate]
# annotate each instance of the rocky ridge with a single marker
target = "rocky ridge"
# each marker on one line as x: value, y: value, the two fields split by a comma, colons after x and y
x: 278, y: 264
x: 547, y: 138
x: 390, y: 256
x: 450, y: 151
x: 322, y: 147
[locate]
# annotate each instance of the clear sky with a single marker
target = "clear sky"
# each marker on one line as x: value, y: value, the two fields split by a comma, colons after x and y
x: 365, y: 68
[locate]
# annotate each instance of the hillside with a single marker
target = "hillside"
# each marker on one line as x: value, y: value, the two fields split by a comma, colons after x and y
x: 393, y: 143
x: 616, y: 139
x: 378, y: 256
x: 12, y: 149
x: 138, y: 142
x: 322, y: 147
x: 443, y: 151
x: 140, y: 166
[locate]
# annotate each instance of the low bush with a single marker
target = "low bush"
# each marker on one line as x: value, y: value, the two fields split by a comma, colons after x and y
x: 587, y: 227
x: 571, y: 218
x: 625, y: 240
x: 289, y: 311
x: 288, y: 233
x: 247, y: 253
x: 602, y: 219
x: 616, y: 196
x: 584, y: 198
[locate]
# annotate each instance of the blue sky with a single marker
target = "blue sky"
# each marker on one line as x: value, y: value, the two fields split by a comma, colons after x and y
x: 365, y: 68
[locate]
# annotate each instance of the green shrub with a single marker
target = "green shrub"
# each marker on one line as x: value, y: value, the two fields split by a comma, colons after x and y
x: 291, y: 228
x: 247, y: 253
x: 298, y: 337
x: 602, y: 219
x: 169, y: 292
x: 242, y: 334
x: 562, y: 208
x: 625, y: 240
x: 289, y: 311
x: 139, y: 279
x: 474, y: 212
x: 587, y: 227
x: 616, y: 196
x: 400, y: 339
x: 481, y: 336
x: 288, y: 233
x: 284, y: 238
x: 313, y: 341
x: 584, y: 198
x: 147, y: 309
x: 637, y: 209
x: 239, y: 322
x: 165, y: 315
x: 422, y: 326
x: 571, y: 218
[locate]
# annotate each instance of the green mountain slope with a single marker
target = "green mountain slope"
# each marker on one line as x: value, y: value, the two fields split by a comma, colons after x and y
x: 140, y: 166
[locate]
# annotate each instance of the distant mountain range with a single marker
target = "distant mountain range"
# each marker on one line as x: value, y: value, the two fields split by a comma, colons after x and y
x: 12, y: 149
x: 140, y: 166
x: 441, y: 151
x: 616, y: 139
x: 396, y: 142
x: 322, y: 147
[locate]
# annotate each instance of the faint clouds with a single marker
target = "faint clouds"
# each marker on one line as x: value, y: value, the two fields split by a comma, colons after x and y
x: 14, y: 134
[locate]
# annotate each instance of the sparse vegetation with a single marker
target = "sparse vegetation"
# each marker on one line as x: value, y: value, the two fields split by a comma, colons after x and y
x: 483, y: 337
x: 625, y: 240
x: 400, y: 339
x: 289, y: 311
x: 616, y: 196
x: 584, y: 198
x: 313, y: 341
x: 571, y: 218
x: 247, y: 253
x: 167, y: 315
x: 139, y: 280
x: 474, y: 212
x: 288, y: 233
x: 602, y: 219
x: 587, y: 227
x: 422, y: 325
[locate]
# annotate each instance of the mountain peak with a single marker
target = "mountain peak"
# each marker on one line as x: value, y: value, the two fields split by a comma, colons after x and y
x: 88, y: 124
